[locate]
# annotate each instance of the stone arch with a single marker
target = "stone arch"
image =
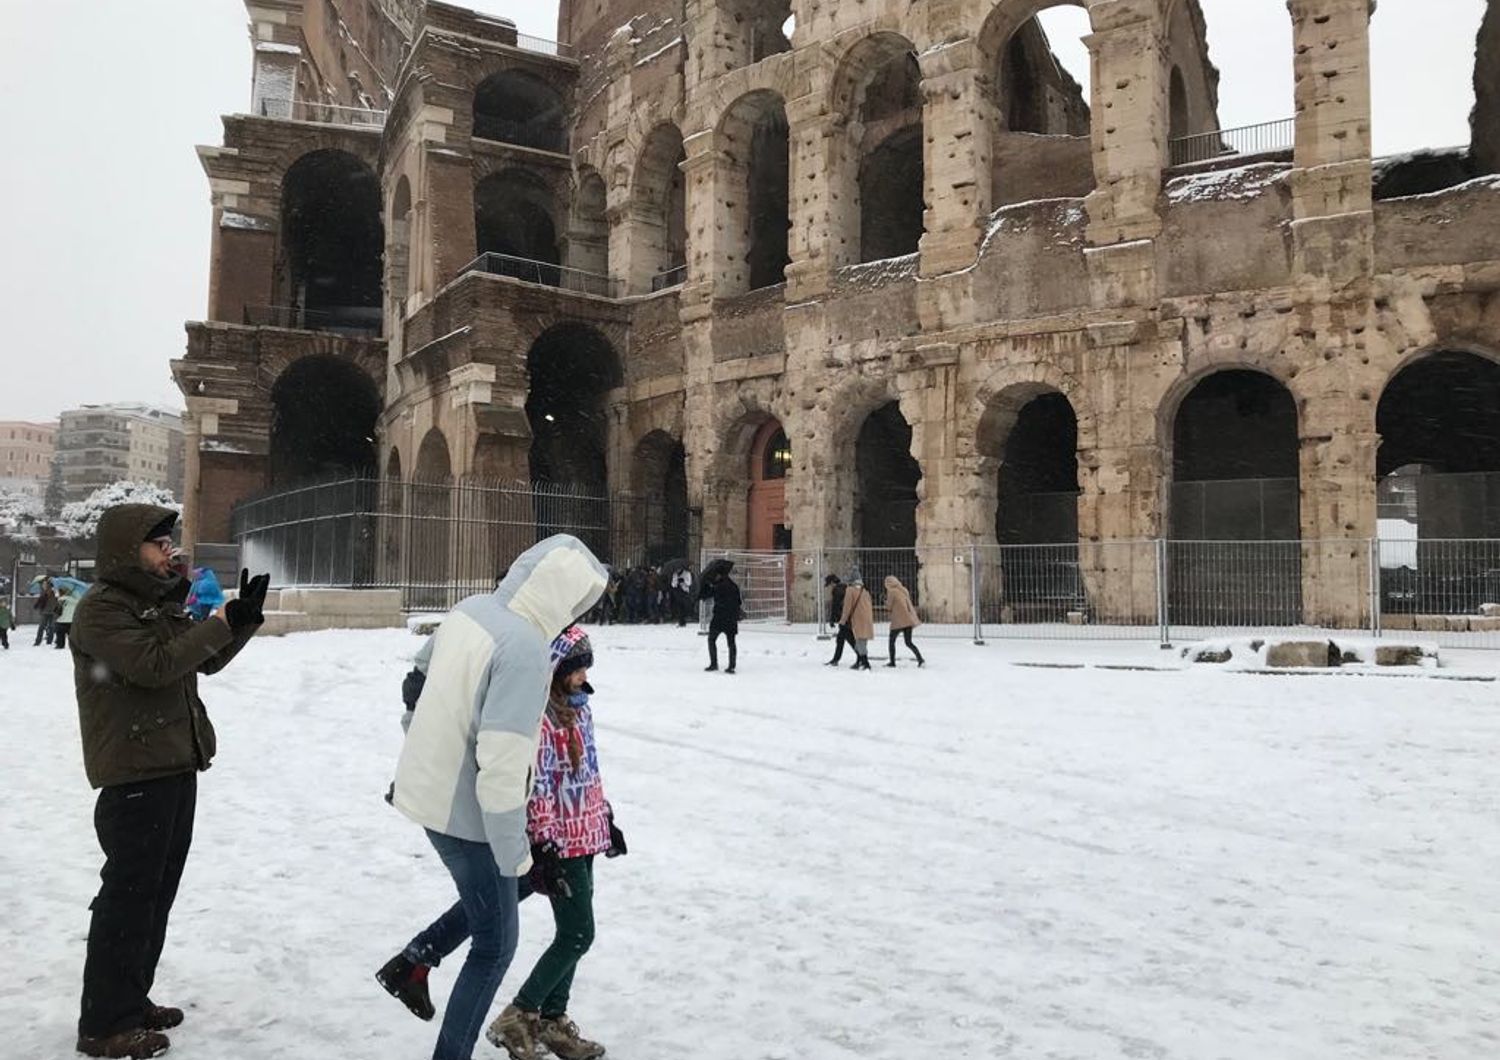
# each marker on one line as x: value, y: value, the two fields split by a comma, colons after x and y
x: 331, y: 248
x: 658, y: 479
x: 571, y: 368
x: 658, y: 210
x: 434, y: 461
x: 517, y: 107
x: 727, y: 482
x: 588, y: 224
x: 516, y: 217
x: 1029, y: 482
x: 876, y: 96
x: 393, y: 463
x: 1179, y: 118
x: 755, y: 141
x: 1042, y: 146
x: 323, y: 415
x: 398, y: 245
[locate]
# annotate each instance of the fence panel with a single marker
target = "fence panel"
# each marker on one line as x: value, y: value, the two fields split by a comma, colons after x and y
x: 1442, y: 590
x: 1082, y: 591
x: 764, y: 579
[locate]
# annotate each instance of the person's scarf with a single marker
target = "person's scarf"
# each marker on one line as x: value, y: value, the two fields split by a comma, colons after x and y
x: 564, y: 710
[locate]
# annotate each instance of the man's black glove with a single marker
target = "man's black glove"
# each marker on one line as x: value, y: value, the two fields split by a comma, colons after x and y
x: 617, y: 847
x: 248, y: 609
x: 547, y: 870
x: 411, y: 688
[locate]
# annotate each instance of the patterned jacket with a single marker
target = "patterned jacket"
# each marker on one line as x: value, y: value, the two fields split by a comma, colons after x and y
x: 567, y: 805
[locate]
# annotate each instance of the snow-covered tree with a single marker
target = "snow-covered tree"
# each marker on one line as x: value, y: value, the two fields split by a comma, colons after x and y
x: 80, y: 519
x: 19, y: 514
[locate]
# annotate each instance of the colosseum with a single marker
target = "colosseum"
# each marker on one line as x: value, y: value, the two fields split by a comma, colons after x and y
x: 876, y: 274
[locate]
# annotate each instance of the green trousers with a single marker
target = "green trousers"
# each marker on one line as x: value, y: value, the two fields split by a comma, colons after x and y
x: 546, y: 988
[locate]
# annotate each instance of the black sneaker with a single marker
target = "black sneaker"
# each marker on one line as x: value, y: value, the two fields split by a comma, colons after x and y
x: 137, y: 1044
x: 406, y: 981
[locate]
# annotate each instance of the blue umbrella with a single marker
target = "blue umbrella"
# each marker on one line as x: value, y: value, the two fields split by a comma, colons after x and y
x: 58, y: 581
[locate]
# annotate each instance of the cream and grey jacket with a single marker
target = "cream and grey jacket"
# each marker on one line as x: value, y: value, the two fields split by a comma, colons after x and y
x: 466, y: 764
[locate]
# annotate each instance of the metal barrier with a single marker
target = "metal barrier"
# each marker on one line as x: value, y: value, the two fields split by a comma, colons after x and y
x: 674, y: 277
x: 439, y: 541
x: 1266, y: 138
x: 322, y: 113
x: 542, y: 46
x: 539, y: 137
x: 342, y: 320
x: 543, y: 273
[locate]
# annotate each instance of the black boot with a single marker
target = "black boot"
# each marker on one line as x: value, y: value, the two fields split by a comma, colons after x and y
x: 406, y: 981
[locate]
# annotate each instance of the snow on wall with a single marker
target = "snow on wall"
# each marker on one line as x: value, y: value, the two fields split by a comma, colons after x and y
x: 1226, y: 185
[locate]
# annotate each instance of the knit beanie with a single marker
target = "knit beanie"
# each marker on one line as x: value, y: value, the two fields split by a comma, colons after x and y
x: 571, y: 651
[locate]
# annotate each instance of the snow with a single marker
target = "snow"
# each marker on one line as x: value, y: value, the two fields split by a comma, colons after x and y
x: 234, y: 219
x: 675, y: 42
x: 1398, y: 544
x: 1488, y: 182
x: 1252, y: 653
x: 975, y: 860
x: 80, y: 519
x: 1240, y: 184
x: 273, y: 48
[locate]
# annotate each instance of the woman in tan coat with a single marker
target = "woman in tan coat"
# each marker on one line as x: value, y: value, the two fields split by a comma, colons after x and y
x: 903, y: 617
x: 859, y: 616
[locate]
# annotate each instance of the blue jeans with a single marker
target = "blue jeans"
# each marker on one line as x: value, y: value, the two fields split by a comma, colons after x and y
x: 486, y: 911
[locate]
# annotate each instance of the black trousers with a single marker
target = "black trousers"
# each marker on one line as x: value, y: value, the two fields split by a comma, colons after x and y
x: 145, y: 830
x: 4, y: 638
x: 845, y: 636
x: 896, y: 633
x: 713, y: 645
x: 60, y: 634
x: 44, y: 629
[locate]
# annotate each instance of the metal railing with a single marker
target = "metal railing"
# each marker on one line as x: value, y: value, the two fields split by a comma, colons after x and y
x: 543, y: 273
x: 542, y: 46
x: 673, y: 277
x: 439, y: 541
x: 1266, y: 138
x: 362, y: 321
x: 322, y: 113
x: 535, y: 135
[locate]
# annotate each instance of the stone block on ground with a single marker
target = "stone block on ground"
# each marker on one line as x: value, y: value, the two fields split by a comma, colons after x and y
x: 1401, y: 623
x: 1398, y: 655
x: 1302, y: 654
x: 1432, y: 623
x: 1484, y: 625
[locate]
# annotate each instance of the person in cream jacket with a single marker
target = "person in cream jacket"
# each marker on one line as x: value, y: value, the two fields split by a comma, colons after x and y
x: 465, y: 772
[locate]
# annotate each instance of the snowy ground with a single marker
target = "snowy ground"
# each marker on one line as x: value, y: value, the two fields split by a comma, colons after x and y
x: 973, y: 860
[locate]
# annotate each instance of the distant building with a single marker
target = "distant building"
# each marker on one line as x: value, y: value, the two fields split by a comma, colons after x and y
x: 100, y: 444
x: 26, y: 451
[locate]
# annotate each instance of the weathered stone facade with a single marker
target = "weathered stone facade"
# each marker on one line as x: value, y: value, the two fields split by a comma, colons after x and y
x: 1055, y: 251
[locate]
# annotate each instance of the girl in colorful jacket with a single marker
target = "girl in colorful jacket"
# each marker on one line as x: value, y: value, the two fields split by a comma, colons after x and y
x: 569, y: 823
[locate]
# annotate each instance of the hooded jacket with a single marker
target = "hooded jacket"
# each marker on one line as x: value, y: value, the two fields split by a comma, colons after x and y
x: 136, y: 657
x: 466, y: 764
x: 859, y: 612
x: 898, y: 602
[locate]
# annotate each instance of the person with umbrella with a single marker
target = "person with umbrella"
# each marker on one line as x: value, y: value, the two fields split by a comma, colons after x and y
x: 719, y: 587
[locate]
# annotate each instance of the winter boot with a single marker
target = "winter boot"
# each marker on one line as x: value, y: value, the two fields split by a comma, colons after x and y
x: 516, y: 1031
x: 560, y: 1034
x: 406, y: 981
x: 161, y: 1017
x: 137, y: 1044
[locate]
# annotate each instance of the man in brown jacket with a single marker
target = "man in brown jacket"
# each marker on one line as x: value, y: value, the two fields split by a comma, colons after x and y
x: 146, y: 734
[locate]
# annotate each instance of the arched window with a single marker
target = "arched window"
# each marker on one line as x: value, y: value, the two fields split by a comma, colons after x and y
x: 332, y: 245
x: 519, y: 108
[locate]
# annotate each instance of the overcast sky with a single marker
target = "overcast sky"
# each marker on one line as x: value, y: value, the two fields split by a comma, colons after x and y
x: 104, y: 238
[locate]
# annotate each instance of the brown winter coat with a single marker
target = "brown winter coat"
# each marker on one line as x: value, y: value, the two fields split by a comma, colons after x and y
x: 859, y: 613
x: 136, y: 657
x: 898, y: 601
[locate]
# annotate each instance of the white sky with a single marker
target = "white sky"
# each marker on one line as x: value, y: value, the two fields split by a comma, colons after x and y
x: 104, y: 239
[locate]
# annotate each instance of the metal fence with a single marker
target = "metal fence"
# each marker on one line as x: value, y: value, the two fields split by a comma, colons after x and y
x: 322, y: 113
x: 544, y: 273
x: 1264, y: 138
x: 540, y: 136
x: 364, y: 321
x: 674, y: 277
x: 438, y: 542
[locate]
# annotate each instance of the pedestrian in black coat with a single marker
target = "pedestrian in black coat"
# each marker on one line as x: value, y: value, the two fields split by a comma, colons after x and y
x: 719, y: 587
x: 835, y: 612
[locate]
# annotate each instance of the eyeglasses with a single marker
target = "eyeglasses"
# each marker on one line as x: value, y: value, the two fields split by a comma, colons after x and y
x: 163, y: 543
